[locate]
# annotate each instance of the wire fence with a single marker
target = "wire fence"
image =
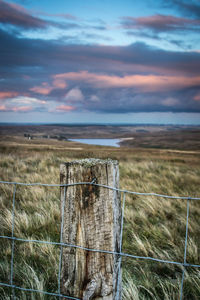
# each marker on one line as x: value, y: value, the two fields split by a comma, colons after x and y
x: 121, y: 254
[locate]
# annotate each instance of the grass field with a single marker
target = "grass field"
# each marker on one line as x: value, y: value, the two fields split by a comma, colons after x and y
x: 153, y: 226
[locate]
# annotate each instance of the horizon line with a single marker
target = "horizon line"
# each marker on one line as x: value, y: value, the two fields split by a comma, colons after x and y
x: 95, y: 124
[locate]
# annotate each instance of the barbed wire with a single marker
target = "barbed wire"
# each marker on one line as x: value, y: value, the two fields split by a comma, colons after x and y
x: 121, y: 254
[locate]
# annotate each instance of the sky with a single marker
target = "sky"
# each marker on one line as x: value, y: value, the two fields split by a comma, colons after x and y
x: 100, y: 61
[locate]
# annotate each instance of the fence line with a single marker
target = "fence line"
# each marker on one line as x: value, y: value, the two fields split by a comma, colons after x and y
x: 61, y: 244
x: 101, y: 185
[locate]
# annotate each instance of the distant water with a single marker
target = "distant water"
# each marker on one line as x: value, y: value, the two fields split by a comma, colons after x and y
x: 99, y: 142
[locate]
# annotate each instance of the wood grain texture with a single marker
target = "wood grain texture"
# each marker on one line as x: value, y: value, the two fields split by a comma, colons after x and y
x: 92, y: 218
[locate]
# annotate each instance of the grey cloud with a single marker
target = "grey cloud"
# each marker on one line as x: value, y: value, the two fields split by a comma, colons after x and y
x: 42, y: 57
x: 26, y: 63
x: 126, y: 101
x: 161, y: 23
x: 188, y: 8
x: 18, y: 16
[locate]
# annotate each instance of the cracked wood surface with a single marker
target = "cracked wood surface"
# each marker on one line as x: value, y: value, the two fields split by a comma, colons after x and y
x: 92, y: 218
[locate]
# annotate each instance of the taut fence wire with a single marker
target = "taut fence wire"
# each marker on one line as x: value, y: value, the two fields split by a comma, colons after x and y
x: 14, y: 287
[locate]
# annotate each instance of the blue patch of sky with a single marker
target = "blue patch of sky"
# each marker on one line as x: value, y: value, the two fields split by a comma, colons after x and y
x: 93, y: 13
x: 94, y: 118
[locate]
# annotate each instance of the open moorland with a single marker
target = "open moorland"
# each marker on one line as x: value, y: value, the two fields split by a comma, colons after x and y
x: 146, y: 136
x: 161, y: 159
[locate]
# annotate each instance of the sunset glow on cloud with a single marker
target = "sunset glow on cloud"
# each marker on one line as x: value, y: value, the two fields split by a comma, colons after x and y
x: 148, y: 83
x: 136, y: 59
x: 2, y: 108
x: 161, y: 23
x: 64, y: 108
x: 197, y: 97
x: 4, y: 95
x: 16, y: 108
x: 44, y: 90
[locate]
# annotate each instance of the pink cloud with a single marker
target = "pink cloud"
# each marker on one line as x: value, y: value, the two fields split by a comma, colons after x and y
x: 17, y: 7
x: 4, y: 95
x: 19, y: 16
x: 16, y: 108
x: 21, y: 108
x: 65, y: 16
x: 41, y: 90
x: 59, y: 84
x: 197, y: 97
x: 46, y: 89
x: 2, y: 108
x: 145, y: 83
x: 159, y: 22
x: 65, y: 108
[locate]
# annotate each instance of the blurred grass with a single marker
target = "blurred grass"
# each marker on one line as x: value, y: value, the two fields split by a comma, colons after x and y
x: 153, y: 226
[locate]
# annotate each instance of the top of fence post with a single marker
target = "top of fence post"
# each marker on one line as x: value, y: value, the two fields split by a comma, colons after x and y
x: 91, y: 162
x: 91, y: 219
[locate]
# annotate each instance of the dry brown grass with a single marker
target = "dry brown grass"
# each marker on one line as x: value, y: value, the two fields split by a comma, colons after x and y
x: 153, y: 226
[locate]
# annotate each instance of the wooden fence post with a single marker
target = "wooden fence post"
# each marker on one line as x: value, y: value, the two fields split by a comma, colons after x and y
x: 92, y: 219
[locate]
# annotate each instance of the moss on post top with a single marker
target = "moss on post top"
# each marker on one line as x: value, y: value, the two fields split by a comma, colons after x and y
x: 90, y: 162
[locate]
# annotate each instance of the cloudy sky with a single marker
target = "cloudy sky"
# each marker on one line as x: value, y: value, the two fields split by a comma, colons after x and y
x: 100, y: 61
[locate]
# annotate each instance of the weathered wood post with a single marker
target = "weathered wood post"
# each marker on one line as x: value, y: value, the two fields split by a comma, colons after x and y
x: 92, y: 218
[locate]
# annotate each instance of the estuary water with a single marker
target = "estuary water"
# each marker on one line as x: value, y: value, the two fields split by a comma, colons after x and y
x: 99, y: 142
